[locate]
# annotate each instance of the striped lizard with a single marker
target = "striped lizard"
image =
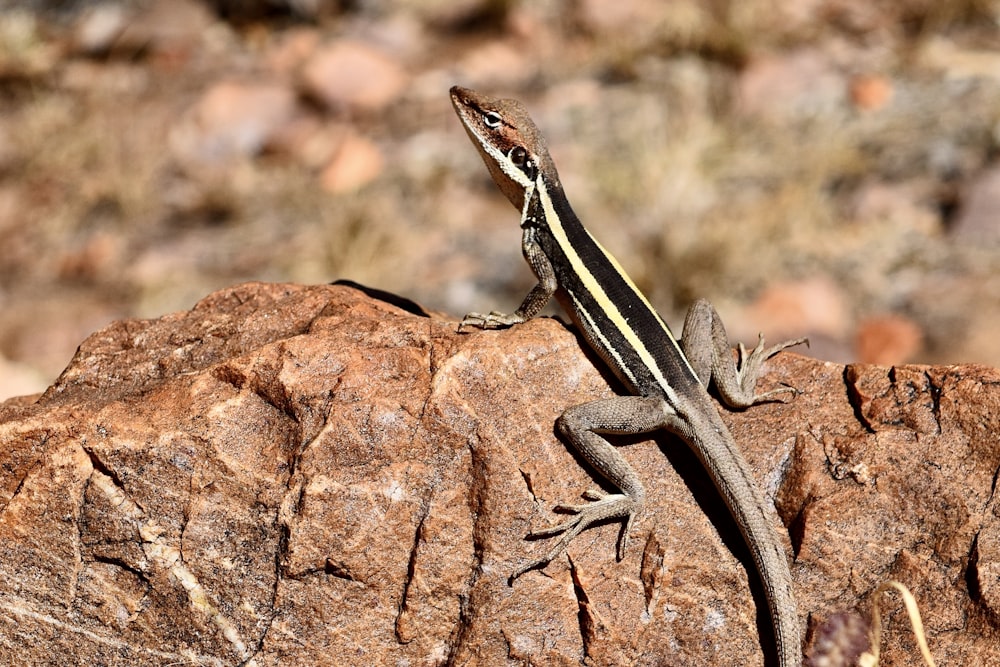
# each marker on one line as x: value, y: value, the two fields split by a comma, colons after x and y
x: 667, y: 378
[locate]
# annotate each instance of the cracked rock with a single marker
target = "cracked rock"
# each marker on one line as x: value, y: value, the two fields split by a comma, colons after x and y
x: 291, y: 475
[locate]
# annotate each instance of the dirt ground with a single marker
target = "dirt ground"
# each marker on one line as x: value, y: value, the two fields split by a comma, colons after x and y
x: 826, y: 168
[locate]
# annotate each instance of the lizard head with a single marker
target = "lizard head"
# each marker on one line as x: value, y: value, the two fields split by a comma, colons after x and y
x: 508, y: 141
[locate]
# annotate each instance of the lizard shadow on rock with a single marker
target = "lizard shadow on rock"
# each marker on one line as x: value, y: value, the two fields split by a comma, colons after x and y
x: 691, y: 471
x: 693, y: 474
x: 402, y: 302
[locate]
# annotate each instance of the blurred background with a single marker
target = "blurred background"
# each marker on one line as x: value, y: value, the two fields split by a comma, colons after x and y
x: 814, y: 167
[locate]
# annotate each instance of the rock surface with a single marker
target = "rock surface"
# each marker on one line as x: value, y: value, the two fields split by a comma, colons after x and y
x: 312, y: 475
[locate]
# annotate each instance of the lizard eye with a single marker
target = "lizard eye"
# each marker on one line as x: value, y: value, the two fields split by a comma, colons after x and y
x: 492, y: 119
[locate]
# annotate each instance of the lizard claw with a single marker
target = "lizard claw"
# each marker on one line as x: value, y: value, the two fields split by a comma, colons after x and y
x: 605, y: 506
x: 748, y: 370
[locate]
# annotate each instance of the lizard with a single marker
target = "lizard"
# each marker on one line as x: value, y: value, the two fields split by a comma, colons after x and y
x: 667, y: 379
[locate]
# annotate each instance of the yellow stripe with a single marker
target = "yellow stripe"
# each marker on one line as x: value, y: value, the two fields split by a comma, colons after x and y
x: 592, y: 326
x: 609, y: 307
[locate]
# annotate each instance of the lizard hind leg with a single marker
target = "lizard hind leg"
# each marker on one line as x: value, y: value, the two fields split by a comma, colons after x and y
x: 583, y: 427
x: 706, y: 345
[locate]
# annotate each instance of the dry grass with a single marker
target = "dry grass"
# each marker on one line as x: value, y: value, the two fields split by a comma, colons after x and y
x: 695, y: 196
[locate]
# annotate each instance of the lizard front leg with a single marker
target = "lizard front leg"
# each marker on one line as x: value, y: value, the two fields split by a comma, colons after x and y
x: 537, y: 297
x: 706, y: 346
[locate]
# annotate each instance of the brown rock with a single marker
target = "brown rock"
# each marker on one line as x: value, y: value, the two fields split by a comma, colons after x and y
x: 305, y: 475
x: 497, y: 64
x: 356, y: 162
x: 292, y: 49
x: 888, y: 339
x: 877, y: 202
x: 350, y: 74
x: 798, y: 83
x: 610, y: 18
x: 171, y: 29
x: 232, y: 119
x: 816, y: 307
x: 870, y: 92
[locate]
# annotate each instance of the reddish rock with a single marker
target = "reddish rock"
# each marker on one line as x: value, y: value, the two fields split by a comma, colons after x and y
x: 611, y: 17
x: 497, y: 64
x: 798, y: 83
x: 889, y: 339
x: 356, y: 162
x: 352, y: 75
x: 233, y: 119
x: 816, y: 308
x: 171, y: 29
x: 306, y: 475
x: 292, y: 50
x: 870, y: 92
x: 903, y: 204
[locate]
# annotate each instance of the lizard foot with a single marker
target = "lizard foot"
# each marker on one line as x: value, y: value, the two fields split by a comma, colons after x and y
x: 494, y: 320
x: 748, y: 369
x: 604, y: 506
